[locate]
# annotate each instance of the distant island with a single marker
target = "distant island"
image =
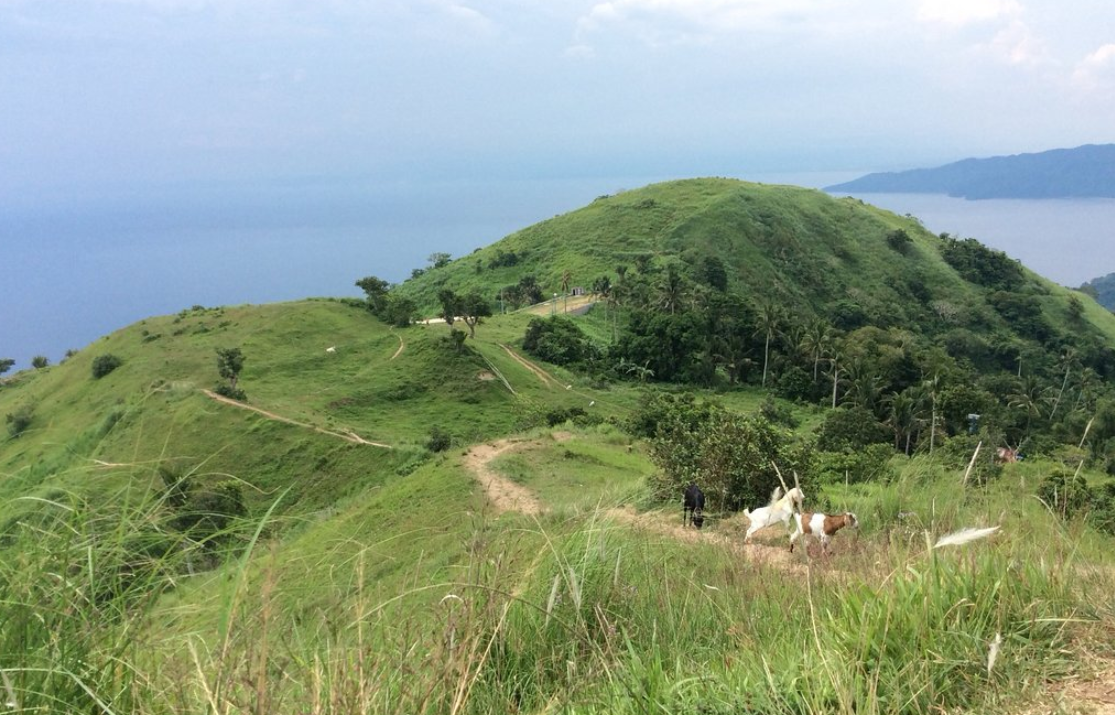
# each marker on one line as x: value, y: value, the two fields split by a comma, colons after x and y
x: 1084, y: 172
x: 1103, y: 289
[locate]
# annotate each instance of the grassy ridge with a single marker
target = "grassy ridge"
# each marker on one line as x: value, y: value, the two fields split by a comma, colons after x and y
x: 410, y: 599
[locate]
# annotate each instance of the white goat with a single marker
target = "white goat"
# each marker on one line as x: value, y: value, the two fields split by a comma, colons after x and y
x: 823, y: 525
x: 780, y: 509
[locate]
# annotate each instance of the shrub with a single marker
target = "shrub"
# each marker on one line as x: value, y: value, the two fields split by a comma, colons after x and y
x: 39, y: 361
x: 731, y: 456
x: 1067, y: 495
x: 899, y: 240
x: 871, y: 463
x: 850, y: 428
x: 233, y: 393
x: 20, y: 420
x: 778, y: 414
x: 439, y: 440
x: 558, y: 341
x: 104, y: 364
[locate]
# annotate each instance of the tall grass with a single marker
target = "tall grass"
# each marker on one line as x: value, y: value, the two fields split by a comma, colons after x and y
x: 561, y: 614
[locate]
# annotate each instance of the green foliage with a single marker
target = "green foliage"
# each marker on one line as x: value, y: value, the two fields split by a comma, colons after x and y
x: 439, y: 440
x: 1067, y: 495
x: 398, y: 311
x: 899, y: 240
x: 558, y: 340
x: 6, y: 364
x: 230, y: 361
x: 40, y: 361
x: 850, y: 429
x: 376, y: 290
x: 981, y: 265
x: 439, y: 259
x: 868, y: 464
x: 20, y: 420
x: 778, y: 413
x: 731, y: 456
x: 104, y: 364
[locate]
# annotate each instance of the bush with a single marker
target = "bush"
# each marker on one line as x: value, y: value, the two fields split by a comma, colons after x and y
x: 439, y: 440
x: 778, y: 414
x: 899, y: 240
x: 849, y: 429
x: 233, y: 393
x: 559, y: 341
x: 104, y: 364
x: 870, y: 464
x: 731, y: 456
x: 20, y: 420
x: 40, y: 361
x: 1067, y: 495
x: 576, y: 415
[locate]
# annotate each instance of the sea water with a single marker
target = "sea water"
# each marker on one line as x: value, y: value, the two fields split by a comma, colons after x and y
x: 74, y: 270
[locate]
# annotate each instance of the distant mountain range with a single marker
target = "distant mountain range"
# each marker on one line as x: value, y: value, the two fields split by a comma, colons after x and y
x: 1084, y: 172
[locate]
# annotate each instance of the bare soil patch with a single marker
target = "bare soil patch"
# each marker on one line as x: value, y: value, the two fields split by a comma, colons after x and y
x: 503, y: 493
x: 347, y: 435
x: 547, y: 379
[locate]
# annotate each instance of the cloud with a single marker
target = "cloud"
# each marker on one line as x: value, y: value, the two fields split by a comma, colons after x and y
x: 967, y: 12
x: 1018, y: 45
x: 680, y: 18
x: 472, y: 20
x: 1097, y: 70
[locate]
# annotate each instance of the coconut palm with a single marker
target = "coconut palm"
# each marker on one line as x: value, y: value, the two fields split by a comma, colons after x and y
x: 768, y: 320
x: 816, y: 339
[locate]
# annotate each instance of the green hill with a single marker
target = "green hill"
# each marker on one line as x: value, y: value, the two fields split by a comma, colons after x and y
x: 397, y: 521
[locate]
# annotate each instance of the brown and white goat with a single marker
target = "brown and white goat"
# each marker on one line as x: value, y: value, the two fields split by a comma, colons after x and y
x: 822, y: 525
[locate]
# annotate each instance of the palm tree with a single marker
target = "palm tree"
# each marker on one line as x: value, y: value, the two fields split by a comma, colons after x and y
x: 815, y: 341
x: 836, y: 357
x: 932, y: 386
x: 1029, y: 398
x: 671, y: 290
x: 865, y: 384
x: 903, y: 418
x: 1065, y: 362
x: 767, y: 321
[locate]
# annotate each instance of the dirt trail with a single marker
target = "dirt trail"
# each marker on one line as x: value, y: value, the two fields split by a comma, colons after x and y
x: 504, y: 494
x: 547, y: 379
x: 348, y: 436
x: 402, y: 346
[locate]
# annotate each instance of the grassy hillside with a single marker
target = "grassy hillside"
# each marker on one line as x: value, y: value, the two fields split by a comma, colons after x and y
x: 315, y: 550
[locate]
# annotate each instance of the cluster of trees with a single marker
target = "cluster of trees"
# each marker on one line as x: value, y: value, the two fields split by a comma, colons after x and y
x: 1030, y: 383
x: 386, y: 305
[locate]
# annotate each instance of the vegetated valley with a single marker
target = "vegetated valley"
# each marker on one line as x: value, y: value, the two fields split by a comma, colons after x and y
x: 335, y: 506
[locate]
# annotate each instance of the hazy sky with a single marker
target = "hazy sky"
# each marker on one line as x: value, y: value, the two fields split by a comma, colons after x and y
x: 101, y: 94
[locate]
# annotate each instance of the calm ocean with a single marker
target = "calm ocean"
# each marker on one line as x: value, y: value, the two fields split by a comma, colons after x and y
x: 70, y: 275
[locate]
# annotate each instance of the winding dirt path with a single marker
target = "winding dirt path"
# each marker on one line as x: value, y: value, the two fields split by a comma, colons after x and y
x: 402, y: 346
x: 504, y: 494
x: 348, y: 436
x: 547, y: 379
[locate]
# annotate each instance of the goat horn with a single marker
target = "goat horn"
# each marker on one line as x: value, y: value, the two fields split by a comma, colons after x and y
x: 778, y: 471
